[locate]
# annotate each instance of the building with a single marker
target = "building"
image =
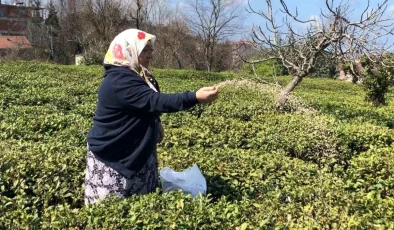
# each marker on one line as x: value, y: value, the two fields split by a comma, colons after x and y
x: 21, y: 27
x: 19, y: 19
x: 14, y: 20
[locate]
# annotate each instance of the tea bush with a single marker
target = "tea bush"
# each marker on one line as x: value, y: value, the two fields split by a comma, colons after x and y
x: 327, y: 168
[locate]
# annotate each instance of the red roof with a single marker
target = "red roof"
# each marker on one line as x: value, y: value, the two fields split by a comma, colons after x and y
x: 11, y: 42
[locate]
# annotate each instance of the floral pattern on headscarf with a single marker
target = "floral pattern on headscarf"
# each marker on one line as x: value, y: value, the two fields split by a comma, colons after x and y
x: 126, y: 47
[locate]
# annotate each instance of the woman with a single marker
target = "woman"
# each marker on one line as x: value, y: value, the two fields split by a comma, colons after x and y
x: 122, y: 157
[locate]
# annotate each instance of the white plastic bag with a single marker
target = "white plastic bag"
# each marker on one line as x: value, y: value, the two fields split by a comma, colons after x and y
x: 190, y: 181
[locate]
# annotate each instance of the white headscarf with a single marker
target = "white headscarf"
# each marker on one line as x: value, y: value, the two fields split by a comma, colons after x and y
x: 125, y: 49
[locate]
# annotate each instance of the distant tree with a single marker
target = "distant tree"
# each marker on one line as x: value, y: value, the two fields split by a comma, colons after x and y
x: 175, y: 45
x: 102, y: 21
x: 52, y: 20
x: 377, y: 77
x: 214, y: 21
x: 139, y: 13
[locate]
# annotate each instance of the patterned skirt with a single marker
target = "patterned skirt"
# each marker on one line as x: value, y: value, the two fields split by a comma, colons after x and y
x: 101, y: 180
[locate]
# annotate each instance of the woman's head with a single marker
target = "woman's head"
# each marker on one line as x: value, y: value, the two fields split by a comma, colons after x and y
x: 131, y: 48
x: 146, y: 55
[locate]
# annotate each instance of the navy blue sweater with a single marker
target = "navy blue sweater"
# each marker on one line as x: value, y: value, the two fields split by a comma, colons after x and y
x: 125, y: 124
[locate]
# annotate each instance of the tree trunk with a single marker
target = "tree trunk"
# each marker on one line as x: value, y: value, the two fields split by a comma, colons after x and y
x: 207, y: 60
x: 284, y: 94
x: 211, y: 64
x: 178, y: 60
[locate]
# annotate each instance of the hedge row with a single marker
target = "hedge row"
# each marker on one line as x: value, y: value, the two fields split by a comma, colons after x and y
x: 324, y: 169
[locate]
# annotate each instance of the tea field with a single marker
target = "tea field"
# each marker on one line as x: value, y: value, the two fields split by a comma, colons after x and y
x: 327, y: 164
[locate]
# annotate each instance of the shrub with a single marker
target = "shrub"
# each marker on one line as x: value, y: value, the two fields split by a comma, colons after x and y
x: 376, y: 84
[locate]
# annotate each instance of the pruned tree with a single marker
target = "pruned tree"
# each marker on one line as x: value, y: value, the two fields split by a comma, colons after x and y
x: 336, y: 33
x: 214, y: 21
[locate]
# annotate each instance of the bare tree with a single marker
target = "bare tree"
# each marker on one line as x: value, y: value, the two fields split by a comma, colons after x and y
x: 105, y: 16
x: 140, y: 12
x: 213, y: 21
x: 72, y: 25
x: 93, y: 26
x: 175, y: 45
x: 335, y: 33
x: 174, y: 37
x: 161, y: 13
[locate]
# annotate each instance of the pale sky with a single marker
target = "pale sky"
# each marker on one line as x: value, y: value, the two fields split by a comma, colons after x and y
x: 306, y: 9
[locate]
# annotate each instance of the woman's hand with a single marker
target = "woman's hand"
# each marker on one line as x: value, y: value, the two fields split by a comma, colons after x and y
x: 207, y: 94
x: 161, y: 133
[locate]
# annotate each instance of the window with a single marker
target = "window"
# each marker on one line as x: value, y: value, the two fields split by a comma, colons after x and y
x: 1, y: 13
x: 22, y: 11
